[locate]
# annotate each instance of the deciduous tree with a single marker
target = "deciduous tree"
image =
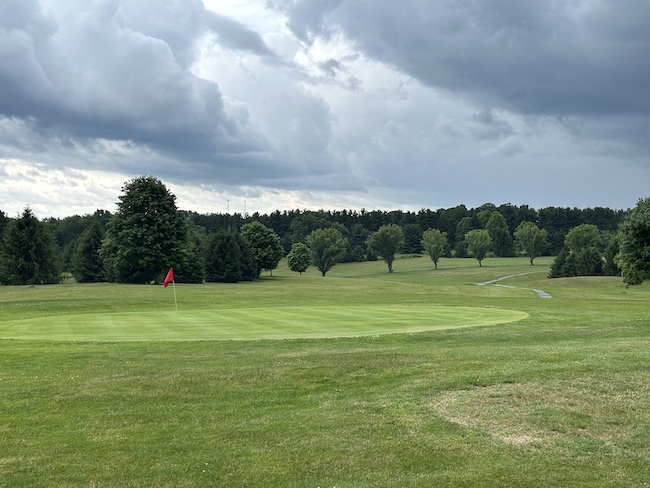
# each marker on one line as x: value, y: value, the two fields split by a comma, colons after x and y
x: 265, y: 245
x: 327, y: 247
x: 531, y: 240
x: 582, y: 236
x: 299, y: 257
x: 386, y: 243
x: 478, y: 244
x: 435, y: 244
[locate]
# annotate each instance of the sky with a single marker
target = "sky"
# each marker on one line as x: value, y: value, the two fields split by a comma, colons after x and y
x: 263, y: 105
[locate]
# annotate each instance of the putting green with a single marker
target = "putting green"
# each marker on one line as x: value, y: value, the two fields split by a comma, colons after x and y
x: 253, y: 323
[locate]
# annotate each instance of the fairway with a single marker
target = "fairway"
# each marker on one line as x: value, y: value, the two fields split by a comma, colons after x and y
x: 361, y: 379
x: 254, y: 323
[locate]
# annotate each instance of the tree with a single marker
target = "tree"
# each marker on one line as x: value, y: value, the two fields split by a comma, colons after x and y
x: 223, y: 258
x: 412, y: 239
x: 610, y: 264
x: 247, y: 259
x: 86, y: 262
x: 328, y: 247
x: 358, y: 249
x: 386, y: 242
x: 147, y: 235
x: 192, y: 269
x: 478, y: 244
x: 460, y: 246
x: 634, y: 244
x: 29, y: 254
x: 435, y: 244
x: 265, y: 245
x: 531, y: 239
x: 299, y: 257
x: 582, y: 236
x: 499, y: 232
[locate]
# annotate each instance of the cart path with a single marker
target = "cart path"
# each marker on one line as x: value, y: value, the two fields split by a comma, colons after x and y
x: 540, y: 293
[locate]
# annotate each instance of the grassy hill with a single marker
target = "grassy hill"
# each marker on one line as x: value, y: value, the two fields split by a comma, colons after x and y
x: 360, y: 378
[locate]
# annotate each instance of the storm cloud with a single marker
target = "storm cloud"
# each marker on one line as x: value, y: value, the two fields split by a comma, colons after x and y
x: 329, y: 104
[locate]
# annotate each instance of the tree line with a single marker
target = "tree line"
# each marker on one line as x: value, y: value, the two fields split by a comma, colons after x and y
x: 148, y: 234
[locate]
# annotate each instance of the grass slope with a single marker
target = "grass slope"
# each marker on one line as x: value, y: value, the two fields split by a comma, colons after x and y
x: 559, y: 398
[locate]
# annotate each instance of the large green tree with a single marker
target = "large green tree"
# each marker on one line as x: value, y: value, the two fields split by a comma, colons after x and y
x: 86, y: 262
x: 29, y: 254
x: 460, y: 244
x: 435, y: 244
x: 478, y: 244
x: 265, y: 245
x: 386, y: 243
x: 582, y: 237
x: 499, y: 232
x: 147, y: 235
x: 412, y: 239
x: 299, y: 258
x: 531, y: 239
x: 328, y: 247
x: 223, y: 260
x: 634, y: 244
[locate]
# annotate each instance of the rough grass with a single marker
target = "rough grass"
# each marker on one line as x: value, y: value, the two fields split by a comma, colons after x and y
x: 559, y: 398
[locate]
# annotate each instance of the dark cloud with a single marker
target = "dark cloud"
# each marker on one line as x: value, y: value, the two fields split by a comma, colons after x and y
x: 109, y: 70
x: 554, y: 57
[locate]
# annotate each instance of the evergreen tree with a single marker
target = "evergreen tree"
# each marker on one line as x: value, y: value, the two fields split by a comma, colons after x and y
x: 499, y: 232
x: 563, y: 265
x: 223, y: 262
x: 247, y: 259
x: 29, y: 253
x: 147, y: 235
x: 86, y: 262
x: 634, y: 241
x: 358, y: 249
x: 192, y: 269
x: 412, y: 239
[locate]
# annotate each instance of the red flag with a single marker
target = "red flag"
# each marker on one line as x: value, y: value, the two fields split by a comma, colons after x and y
x: 170, y: 277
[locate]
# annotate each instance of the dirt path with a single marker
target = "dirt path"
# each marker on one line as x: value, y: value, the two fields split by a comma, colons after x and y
x: 540, y: 293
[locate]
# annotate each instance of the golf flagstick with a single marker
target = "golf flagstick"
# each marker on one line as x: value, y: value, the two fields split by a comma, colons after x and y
x: 168, y: 278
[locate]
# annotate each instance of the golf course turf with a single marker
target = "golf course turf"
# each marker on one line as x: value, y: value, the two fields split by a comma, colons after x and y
x: 254, y: 323
x: 362, y: 378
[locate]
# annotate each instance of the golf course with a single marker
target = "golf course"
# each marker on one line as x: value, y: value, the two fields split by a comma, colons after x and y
x: 490, y: 376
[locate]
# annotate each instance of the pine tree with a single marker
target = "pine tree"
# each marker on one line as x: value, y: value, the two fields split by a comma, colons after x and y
x: 87, y: 264
x: 30, y: 255
x: 147, y: 235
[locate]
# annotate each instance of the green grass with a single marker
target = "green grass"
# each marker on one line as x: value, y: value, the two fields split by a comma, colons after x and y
x: 557, y: 398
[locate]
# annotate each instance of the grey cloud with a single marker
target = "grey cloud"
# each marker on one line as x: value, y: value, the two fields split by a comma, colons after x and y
x: 537, y: 56
x: 486, y: 124
x: 237, y: 36
x: 108, y: 70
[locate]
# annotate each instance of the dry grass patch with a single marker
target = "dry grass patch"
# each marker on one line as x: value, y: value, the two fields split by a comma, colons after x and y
x: 612, y: 411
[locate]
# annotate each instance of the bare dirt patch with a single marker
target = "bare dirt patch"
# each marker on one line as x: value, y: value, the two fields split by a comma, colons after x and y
x: 526, y: 413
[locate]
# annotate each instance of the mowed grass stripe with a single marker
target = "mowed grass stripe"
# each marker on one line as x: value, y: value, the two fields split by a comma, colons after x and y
x: 254, y: 323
